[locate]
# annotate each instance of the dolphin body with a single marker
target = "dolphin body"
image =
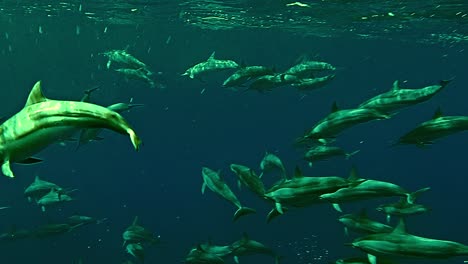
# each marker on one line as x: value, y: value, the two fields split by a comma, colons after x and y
x: 213, y: 181
x: 210, y: 65
x: 439, y: 126
x: 90, y: 134
x: 402, y: 208
x: 249, y: 178
x: 38, y: 188
x: 246, y: 246
x: 400, y: 243
x: 398, y: 98
x: 309, y: 84
x: 325, y: 152
x: 246, y: 74
x: 43, y: 121
x: 137, y: 234
x: 363, y: 224
x: 338, y: 121
x: 308, y: 68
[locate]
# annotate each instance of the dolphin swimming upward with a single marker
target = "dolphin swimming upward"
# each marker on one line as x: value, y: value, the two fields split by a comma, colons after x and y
x: 43, y: 121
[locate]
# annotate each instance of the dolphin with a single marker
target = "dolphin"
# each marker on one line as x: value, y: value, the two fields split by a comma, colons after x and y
x: 138, y: 234
x: 213, y: 181
x: 249, y: 178
x: 136, y: 250
x: 325, y: 152
x: 402, y: 208
x: 308, y: 68
x: 267, y: 83
x: 44, y: 121
x: 363, y: 224
x: 39, y: 188
x: 200, y: 256
x: 210, y: 65
x: 309, y: 84
x: 338, y: 121
x: 123, y: 57
x: 137, y: 74
x: 398, y: 98
x: 245, y: 74
x: 438, y: 127
x: 246, y: 246
x: 90, y: 134
x: 367, y: 190
x: 53, y: 198
x: 400, y: 243
x: 271, y: 162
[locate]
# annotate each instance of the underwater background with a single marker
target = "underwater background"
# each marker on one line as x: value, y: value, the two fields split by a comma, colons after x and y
x: 189, y: 123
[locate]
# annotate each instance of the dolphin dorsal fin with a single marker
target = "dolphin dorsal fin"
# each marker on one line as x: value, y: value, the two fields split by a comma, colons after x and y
x: 36, y: 179
x: 212, y: 56
x: 298, y: 172
x: 334, y: 107
x: 353, y: 174
x: 400, y: 228
x: 396, y: 85
x: 135, y: 220
x: 438, y: 113
x: 35, y: 96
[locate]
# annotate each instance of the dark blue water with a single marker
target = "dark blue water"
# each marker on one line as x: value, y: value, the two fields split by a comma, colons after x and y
x: 184, y: 129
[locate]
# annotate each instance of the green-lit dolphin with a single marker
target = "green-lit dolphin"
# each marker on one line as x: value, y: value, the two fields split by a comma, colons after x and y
x: 398, y: 98
x: 213, y: 181
x: 438, y: 127
x: 210, y: 65
x: 400, y: 243
x: 43, y: 121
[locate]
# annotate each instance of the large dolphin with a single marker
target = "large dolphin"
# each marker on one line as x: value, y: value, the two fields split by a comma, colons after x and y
x: 438, y: 127
x: 400, y: 243
x: 398, y: 98
x: 43, y: 121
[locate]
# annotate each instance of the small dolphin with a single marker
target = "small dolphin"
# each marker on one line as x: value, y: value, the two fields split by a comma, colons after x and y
x: 138, y: 234
x: 402, y: 209
x: 247, y: 246
x: 309, y: 84
x: 84, y: 220
x: 53, y: 198
x: 271, y: 162
x: 123, y: 57
x: 363, y: 224
x: 53, y: 229
x: 39, y: 188
x: 137, y: 74
x: 267, y: 83
x: 210, y: 65
x: 43, y: 121
x: 136, y: 250
x: 308, y: 68
x: 400, y: 243
x: 245, y: 74
x: 200, y: 256
x: 325, y: 152
x: 213, y: 181
x: 249, y: 178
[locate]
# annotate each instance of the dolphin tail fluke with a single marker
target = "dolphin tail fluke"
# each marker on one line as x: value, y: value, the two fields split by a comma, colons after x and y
x: 243, y: 211
x: 412, y: 196
x: 136, y: 141
x: 274, y: 213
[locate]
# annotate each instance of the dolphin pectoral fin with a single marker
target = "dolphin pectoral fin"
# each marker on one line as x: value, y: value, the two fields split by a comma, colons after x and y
x: 372, y: 259
x: 389, y: 216
x: 6, y: 169
x: 337, y: 207
x: 236, y: 259
x: 30, y: 160
x: 43, y: 208
x: 203, y: 188
x: 243, y: 211
x: 109, y: 62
